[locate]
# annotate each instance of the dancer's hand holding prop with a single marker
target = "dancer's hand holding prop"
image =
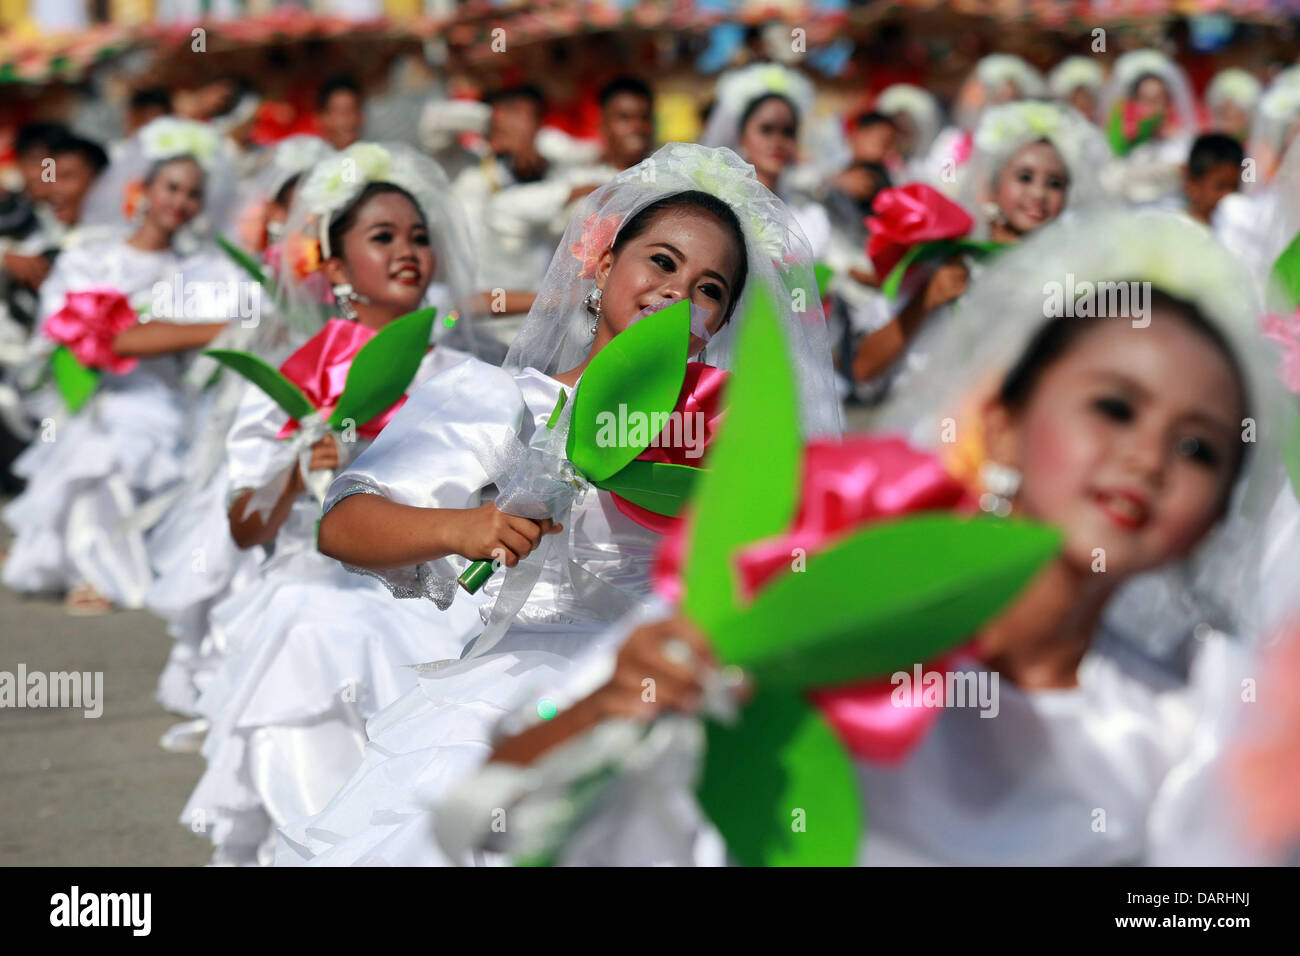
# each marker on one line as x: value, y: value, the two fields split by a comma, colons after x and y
x: 638, y: 375
x: 375, y: 387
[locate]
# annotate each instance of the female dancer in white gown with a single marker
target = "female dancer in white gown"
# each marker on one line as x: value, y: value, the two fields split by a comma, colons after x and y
x: 309, y: 650
x: 759, y: 112
x: 87, y: 471
x: 1031, y: 162
x: 196, y: 563
x: 668, y: 229
x: 1123, y: 431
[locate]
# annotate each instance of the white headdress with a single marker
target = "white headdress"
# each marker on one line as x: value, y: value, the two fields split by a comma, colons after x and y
x: 1234, y: 85
x: 333, y: 185
x: 1275, y: 117
x: 1005, y: 306
x: 919, y: 104
x: 166, y: 138
x: 1076, y: 72
x: 737, y: 89
x: 1005, y: 129
x: 991, y: 72
x: 1136, y: 64
x: 557, y: 336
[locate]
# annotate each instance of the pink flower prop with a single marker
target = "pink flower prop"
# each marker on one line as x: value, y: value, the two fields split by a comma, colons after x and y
x: 907, y: 215
x: 1285, y: 331
x: 87, y: 325
x: 597, y: 236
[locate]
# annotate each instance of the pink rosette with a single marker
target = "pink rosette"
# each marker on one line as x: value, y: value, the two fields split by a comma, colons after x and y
x: 320, y: 368
x: 1285, y: 332
x: 846, y: 485
x: 908, y: 215
x: 87, y: 325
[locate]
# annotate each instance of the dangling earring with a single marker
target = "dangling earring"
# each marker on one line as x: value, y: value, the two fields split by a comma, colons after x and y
x: 1002, y: 482
x: 343, y: 296
x: 592, y: 303
x: 993, y: 213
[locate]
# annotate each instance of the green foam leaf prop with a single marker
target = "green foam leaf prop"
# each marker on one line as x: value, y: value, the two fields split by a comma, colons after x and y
x: 824, y: 275
x: 661, y: 487
x: 383, y: 368
x: 738, y: 503
x: 1120, y: 144
x: 243, y: 260
x: 1291, y: 457
x: 935, y: 578
x: 75, y: 382
x: 268, y: 378
x: 783, y: 784
x: 642, y: 369
x: 931, y: 250
x: 1286, y: 273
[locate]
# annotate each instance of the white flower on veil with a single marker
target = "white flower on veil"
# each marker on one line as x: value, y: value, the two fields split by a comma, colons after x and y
x: 334, y: 182
x: 168, y: 137
x: 715, y: 176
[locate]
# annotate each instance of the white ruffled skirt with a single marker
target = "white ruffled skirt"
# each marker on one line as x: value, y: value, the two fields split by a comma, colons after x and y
x: 431, y: 737
x: 84, y: 475
x: 309, y: 653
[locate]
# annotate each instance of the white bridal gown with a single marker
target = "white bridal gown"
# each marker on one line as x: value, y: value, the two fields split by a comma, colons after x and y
x: 87, y: 471
x: 306, y: 653
x: 1126, y: 768
x: 433, y: 454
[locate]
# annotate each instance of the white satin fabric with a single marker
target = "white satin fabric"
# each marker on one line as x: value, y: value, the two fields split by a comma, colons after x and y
x: 440, y: 452
x: 1127, y: 768
x: 86, y: 472
x: 295, y: 662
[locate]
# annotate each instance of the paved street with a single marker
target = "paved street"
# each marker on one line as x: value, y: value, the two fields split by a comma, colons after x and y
x: 82, y: 791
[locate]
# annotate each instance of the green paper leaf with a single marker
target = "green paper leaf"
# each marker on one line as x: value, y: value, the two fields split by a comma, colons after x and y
x: 780, y: 787
x: 661, y: 487
x: 824, y: 275
x: 75, y: 382
x: 269, y: 379
x: 1286, y: 273
x: 243, y: 260
x: 935, y: 579
x: 642, y: 369
x: 383, y: 368
x: 744, y: 498
x: 1115, y: 131
x: 922, y: 251
x: 935, y: 249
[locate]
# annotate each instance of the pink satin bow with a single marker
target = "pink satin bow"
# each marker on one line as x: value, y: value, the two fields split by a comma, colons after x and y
x: 907, y: 215
x: 320, y: 368
x: 701, y: 400
x: 87, y: 325
x: 845, y: 485
x: 1285, y: 331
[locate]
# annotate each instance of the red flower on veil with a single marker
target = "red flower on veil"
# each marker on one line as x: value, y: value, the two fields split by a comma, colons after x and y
x: 597, y: 235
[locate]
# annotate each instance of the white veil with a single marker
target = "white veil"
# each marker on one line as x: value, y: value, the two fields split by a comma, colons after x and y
x: 556, y: 336
x: 166, y: 138
x: 920, y: 105
x: 1276, y: 115
x: 990, y: 72
x: 738, y: 88
x: 1135, y: 64
x: 1220, y: 585
x: 1004, y: 129
x: 330, y: 188
x: 1073, y: 73
x: 279, y: 163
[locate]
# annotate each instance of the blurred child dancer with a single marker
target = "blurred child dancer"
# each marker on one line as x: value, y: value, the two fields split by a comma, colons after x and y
x: 91, y: 468
x: 1125, y: 431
